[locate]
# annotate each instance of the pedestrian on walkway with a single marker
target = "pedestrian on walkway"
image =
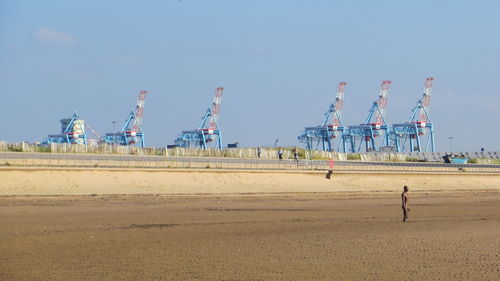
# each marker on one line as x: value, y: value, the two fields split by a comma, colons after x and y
x: 296, y: 153
x: 280, y: 153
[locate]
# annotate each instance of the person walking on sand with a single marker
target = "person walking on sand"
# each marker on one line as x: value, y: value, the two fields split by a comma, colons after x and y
x: 404, y: 201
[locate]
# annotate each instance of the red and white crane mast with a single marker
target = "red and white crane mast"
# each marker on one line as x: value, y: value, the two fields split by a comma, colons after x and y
x: 426, y: 101
x: 139, y: 112
x: 339, y: 104
x: 215, y: 109
x: 382, y: 103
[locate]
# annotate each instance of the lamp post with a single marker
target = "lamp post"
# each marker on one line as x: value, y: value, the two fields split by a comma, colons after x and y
x: 451, y: 144
x: 114, y: 132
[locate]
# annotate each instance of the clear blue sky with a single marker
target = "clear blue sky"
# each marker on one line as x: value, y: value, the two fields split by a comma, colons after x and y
x: 279, y: 61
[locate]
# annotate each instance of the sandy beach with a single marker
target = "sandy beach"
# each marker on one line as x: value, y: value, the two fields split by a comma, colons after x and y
x: 299, y: 236
x: 246, y: 225
x: 205, y: 181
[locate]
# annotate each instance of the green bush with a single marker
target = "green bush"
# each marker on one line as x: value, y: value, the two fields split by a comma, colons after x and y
x: 353, y: 156
x: 413, y: 159
x: 319, y: 157
x: 44, y: 149
x: 476, y: 160
x: 302, y: 153
x: 14, y: 148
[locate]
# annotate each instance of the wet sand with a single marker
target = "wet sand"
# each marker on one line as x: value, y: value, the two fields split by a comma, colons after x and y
x: 300, y: 236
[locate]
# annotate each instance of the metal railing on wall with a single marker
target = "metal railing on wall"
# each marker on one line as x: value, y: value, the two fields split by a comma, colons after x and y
x: 103, y: 161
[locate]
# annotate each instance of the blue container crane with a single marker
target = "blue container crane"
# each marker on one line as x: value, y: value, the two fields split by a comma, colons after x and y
x: 208, y: 130
x: 407, y: 135
x: 371, y: 129
x: 326, y: 132
x: 131, y: 132
x: 72, y: 132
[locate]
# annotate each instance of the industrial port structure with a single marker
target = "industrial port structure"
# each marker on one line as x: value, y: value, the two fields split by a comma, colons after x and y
x: 327, y: 131
x: 374, y: 134
x: 208, y: 131
x: 407, y: 135
x: 72, y: 131
x: 399, y: 137
x: 131, y: 132
x: 373, y: 127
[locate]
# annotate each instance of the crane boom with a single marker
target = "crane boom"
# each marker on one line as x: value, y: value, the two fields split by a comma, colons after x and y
x: 339, y: 103
x: 215, y: 109
x: 139, y: 112
x: 382, y: 101
x: 426, y: 100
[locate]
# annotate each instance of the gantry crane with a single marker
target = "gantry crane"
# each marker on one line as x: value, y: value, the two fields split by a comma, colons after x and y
x: 326, y: 132
x: 131, y: 132
x: 419, y: 124
x: 208, y: 131
x: 370, y: 129
x: 72, y: 131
